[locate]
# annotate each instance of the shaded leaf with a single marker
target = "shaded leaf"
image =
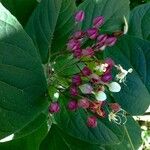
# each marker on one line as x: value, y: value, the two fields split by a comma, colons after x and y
x: 140, y: 22
x: 51, y: 21
x: 57, y: 139
x: 22, y: 81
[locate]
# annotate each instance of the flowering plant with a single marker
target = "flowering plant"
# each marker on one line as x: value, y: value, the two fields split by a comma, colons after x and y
x: 73, y: 76
x: 95, y: 75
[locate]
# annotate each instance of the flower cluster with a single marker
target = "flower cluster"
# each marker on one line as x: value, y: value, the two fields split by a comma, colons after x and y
x: 92, y: 35
x: 89, y: 88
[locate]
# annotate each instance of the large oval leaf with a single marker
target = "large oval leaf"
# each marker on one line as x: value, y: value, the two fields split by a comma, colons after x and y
x: 134, y: 53
x: 66, y: 142
x: 140, y: 22
x: 51, y: 21
x: 22, y: 81
x: 113, y: 11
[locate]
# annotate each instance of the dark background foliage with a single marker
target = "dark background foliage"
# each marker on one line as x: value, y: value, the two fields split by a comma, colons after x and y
x: 133, y: 4
x: 17, y: 7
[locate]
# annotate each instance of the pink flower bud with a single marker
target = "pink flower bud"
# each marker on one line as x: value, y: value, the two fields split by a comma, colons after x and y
x: 73, y: 44
x: 110, y: 63
x: 111, y: 41
x: 72, y: 105
x: 98, y: 21
x: 76, y: 79
x: 92, y: 122
x: 77, y: 53
x: 100, y: 45
x: 78, y: 35
x: 94, y: 78
x: 54, y: 107
x: 89, y: 52
x: 101, y: 39
x: 115, y: 107
x: 92, y: 33
x: 73, y: 90
x: 86, y: 71
x: 84, y: 103
x: 79, y: 16
x: 106, y: 78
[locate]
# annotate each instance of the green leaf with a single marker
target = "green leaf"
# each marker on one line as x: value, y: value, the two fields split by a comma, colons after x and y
x: 57, y: 139
x: 52, y: 21
x: 134, y: 53
x: 67, y: 66
x: 64, y: 27
x: 112, y: 10
x: 22, y: 81
x: 132, y: 139
x: 21, y: 9
x: 140, y: 22
x: 30, y: 142
x: 74, y: 123
x: 31, y: 127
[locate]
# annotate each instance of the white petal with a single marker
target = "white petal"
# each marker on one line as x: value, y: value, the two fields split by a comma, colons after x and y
x: 126, y: 27
x: 114, y: 87
x: 103, y: 48
x: 100, y: 96
x: 86, y: 88
x: 130, y: 70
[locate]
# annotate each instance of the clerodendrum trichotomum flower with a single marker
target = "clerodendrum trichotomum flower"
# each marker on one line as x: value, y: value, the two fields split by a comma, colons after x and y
x: 90, y: 88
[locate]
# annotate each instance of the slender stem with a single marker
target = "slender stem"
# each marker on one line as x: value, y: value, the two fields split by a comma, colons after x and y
x: 107, y: 109
x: 132, y: 146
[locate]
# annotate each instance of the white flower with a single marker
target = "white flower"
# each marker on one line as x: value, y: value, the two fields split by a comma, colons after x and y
x: 114, y: 87
x: 86, y: 88
x: 118, y: 117
x: 121, y: 76
x: 102, y: 67
x: 100, y: 96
